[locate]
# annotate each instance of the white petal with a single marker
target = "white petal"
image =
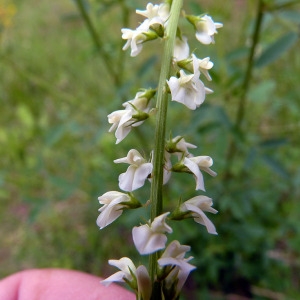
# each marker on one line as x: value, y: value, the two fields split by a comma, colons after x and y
x: 195, y: 170
x: 146, y: 241
x: 144, y: 282
x: 201, y: 218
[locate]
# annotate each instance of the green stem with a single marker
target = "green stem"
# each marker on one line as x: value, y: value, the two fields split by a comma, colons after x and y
x: 162, y: 107
x: 97, y: 41
x: 240, y: 115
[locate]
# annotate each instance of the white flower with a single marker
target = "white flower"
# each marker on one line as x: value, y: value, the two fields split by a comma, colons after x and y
x: 113, y: 204
x: 197, y: 206
x: 188, y: 90
x: 136, y: 173
x: 194, y: 164
x: 205, y: 28
x: 181, y: 48
x: 151, y: 238
x: 203, y: 65
x: 180, y: 269
x: 134, y: 114
x: 126, y: 267
x: 122, y: 121
x: 134, y: 38
x: 155, y: 13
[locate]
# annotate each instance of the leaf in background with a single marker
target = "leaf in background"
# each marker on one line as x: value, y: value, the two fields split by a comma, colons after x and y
x: 273, y: 143
x: 283, y: 44
x: 275, y: 166
x: 262, y: 91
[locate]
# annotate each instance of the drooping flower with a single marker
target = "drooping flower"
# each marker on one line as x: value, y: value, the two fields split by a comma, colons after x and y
x: 113, y: 204
x: 176, y: 267
x: 136, y: 38
x: 151, y: 238
x: 197, y: 206
x: 122, y: 121
x: 136, y: 173
x: 194, y: 165
x: 137, y: 278
x: 135, y: 113
x: 187, y: 89
x: 205, y: 27
x: 203, y: 65
x: 127, y: 268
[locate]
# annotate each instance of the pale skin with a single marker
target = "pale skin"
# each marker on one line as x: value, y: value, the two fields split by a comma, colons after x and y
x: 55, y: 284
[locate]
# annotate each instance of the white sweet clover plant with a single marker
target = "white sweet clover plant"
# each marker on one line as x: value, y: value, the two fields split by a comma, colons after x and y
x: 181, y: 81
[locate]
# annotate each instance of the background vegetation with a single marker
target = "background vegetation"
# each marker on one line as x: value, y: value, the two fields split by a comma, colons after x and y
x: 63, y: 71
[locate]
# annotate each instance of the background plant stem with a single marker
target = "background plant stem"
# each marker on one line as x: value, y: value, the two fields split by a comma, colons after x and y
x: 241, y: 111
x: 98, y: 43
x: 162, y: 107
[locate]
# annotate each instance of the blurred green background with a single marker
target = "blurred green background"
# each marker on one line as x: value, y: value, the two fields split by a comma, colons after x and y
x: 62, y: 73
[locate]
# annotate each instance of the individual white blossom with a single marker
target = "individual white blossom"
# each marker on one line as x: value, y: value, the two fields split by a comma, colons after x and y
x: 113, y: 204
x: 179, y: 267
x: 136, y: 173
x: 205, y: 27
x: 127, y: 268
x: 187, y: 89
x: 122, y: 121
x: 155, y: 13
x: 135, y: 38
x: 181, y: 48
x: 197, y: 206
x: 151, y: 238
x: 203, y: 65
x: 195, y: 164
x: 135, y: 113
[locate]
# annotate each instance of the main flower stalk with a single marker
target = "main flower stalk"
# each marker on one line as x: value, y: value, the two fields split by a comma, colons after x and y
x: 160, y: 130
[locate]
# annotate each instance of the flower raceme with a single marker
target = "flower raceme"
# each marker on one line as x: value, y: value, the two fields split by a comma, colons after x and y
x: 137, y: 172
x: 151, y: 238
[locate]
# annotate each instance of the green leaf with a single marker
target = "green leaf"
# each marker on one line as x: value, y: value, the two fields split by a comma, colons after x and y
x: 273, y: 143
x: 275, y: 166
x: 275, y: 50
